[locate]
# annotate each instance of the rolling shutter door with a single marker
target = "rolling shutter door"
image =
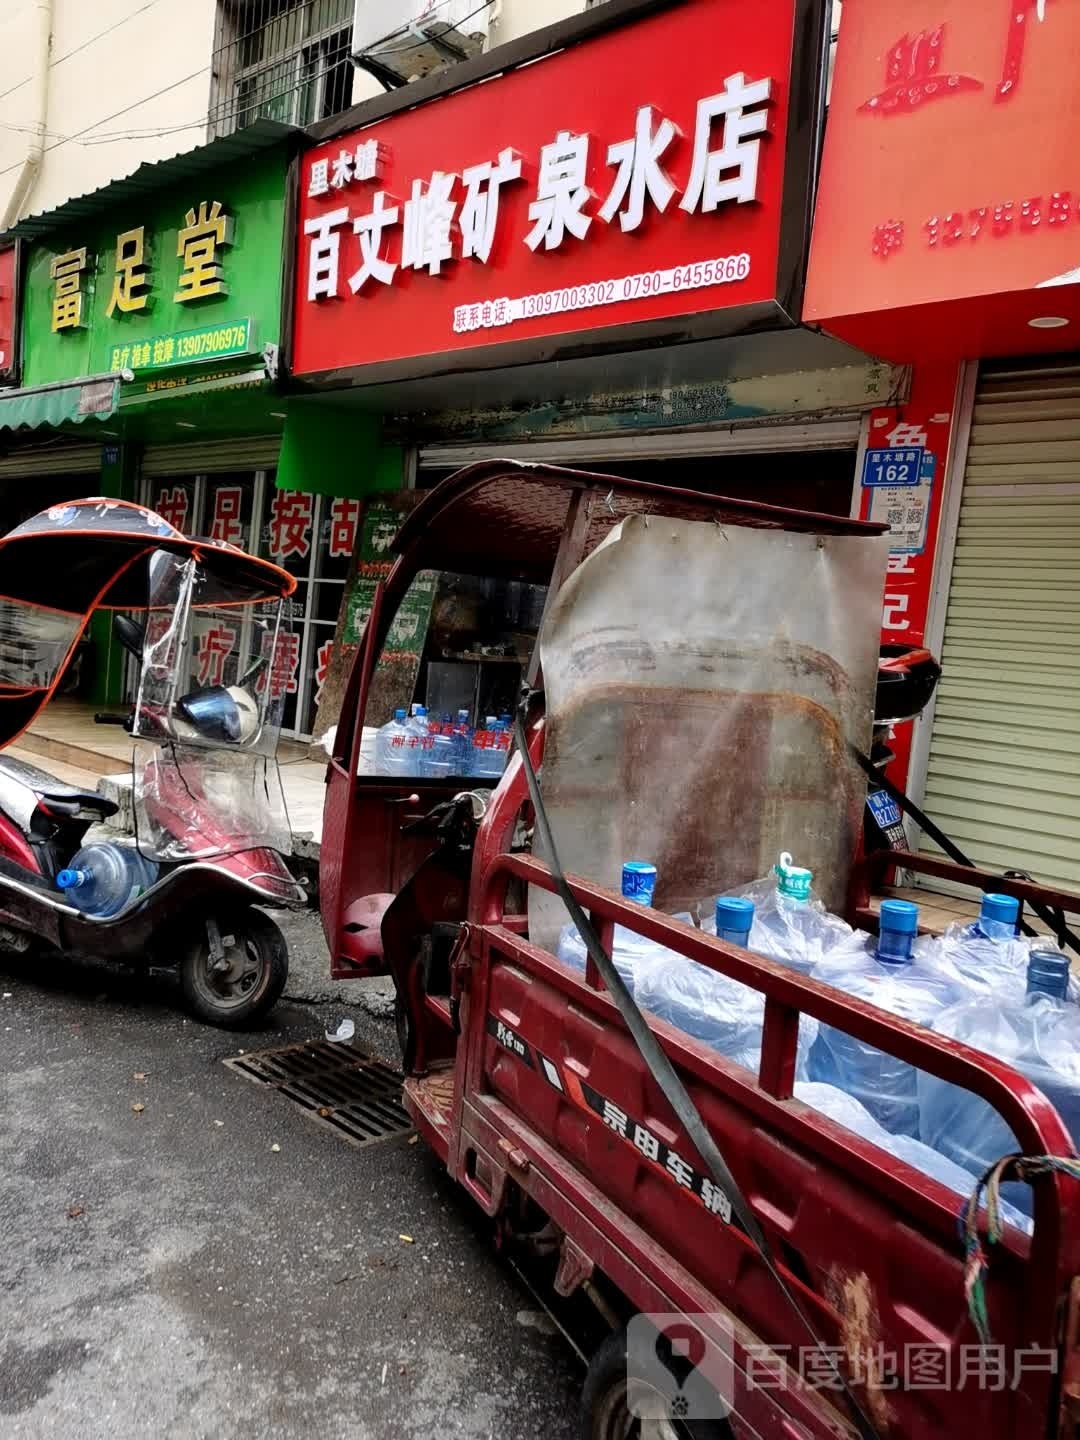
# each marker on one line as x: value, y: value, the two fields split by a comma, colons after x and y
x: 1003, y: 778
x: 250, y: 452
x: 46, y: 460
x: 839, y: 432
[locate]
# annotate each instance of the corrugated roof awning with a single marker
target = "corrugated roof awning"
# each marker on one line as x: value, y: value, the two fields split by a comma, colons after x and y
x: 261, y: 135
x: 69, y: 402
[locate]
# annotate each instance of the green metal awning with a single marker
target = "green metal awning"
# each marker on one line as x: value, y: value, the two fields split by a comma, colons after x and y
x: 68, y: 402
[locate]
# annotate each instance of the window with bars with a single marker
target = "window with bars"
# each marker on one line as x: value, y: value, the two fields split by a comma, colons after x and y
x: 287, y: 60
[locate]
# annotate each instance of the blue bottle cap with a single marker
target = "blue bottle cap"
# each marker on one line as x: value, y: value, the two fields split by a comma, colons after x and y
x: 639, y: 881
x: 67, y: 879
x: 1047, y: 973
x: 1003, y: 908
x: 900, y: 916
x: 399, y: 714
x: 420, y: 710
x: 734, y: 912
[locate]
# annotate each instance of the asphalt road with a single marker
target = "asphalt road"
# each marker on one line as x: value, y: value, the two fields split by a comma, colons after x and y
x: 169, y: 1272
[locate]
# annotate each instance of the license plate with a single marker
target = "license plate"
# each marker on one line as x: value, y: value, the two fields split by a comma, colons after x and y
x: 883, y: 808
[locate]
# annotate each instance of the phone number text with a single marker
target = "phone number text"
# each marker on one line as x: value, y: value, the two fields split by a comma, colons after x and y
x: 494, y: 314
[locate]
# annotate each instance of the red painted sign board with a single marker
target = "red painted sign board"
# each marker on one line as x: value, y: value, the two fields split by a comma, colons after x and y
x: 950, y: 175
x: 9, y: 314
x: 631, y: 183
x: 913, y: 512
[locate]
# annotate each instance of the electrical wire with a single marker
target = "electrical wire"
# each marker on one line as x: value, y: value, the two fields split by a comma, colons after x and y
x: 111, y: 137
x: 86, y: 43
x: 106, y: 118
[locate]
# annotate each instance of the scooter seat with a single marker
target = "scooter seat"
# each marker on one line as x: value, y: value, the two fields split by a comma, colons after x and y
x: 47, y: 788
x: 85, y: 799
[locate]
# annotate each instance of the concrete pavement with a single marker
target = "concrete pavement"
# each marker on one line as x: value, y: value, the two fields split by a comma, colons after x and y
x: 167, y: 1272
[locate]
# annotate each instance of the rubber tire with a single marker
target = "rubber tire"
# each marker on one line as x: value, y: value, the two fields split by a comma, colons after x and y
x: 606, y: 1377
x: 274, y: 953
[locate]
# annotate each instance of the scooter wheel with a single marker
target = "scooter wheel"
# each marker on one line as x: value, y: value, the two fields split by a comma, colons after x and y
x: 246, y: 982
x: 607, y: 1412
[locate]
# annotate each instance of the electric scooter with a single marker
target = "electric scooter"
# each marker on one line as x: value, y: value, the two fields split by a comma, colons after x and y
x: 210, y: 824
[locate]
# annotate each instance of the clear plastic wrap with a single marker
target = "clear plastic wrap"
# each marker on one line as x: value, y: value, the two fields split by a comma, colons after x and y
x: 799, y: 933
x: 629, y: 950
x: 845, y: 1110
x: 703, y: 685
x: 725, y: 1014
x: 885, y: 1085
x: 983, y: 966
x: 1039, y: 1037
x: 192, y: 803
x: 34, y: 644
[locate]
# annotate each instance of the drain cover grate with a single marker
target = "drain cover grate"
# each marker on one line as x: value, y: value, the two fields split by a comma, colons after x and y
x: 352, y: 1095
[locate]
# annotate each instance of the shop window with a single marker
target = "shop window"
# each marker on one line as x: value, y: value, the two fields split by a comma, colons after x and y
x: 457, y: 642
x: 286, y: 60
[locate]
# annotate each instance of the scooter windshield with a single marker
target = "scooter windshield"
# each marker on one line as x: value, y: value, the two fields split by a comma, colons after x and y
x: 215, y: 661
x: 215, y: 672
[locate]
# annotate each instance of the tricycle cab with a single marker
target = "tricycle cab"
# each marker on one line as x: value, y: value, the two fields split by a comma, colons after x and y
x: 455, y: 626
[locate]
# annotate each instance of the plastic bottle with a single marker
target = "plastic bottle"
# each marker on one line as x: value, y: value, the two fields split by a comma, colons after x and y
x: 884, y: 972
x: 418, y: 742
x: 997, y: 917
x: 490, y: 750
x: 440, y: 761
x: 790, y: 926
x: 629, y: 950
x: 102, y: 880
x: 724, y: 1013
x: 844, y: 1110
x: 390, y: 746
x: 986, y: 956
x: 1038, y: 1034
x: 462, y: 742
x: 734, y: 916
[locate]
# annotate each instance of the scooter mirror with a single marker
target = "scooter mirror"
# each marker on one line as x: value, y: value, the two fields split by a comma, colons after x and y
x: 131, y: 635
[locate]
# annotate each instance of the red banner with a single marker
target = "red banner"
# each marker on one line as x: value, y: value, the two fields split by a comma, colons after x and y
x: 9, y: 314
x: 632, y: 177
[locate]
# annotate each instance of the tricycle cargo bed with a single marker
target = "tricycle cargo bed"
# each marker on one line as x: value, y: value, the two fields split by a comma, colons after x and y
x: 554, y: 1099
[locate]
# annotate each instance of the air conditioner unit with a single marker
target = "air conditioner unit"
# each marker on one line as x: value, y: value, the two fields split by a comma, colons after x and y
x: 402, y: 40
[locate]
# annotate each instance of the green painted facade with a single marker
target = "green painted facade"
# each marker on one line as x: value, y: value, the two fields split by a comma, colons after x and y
x: 252, y: 199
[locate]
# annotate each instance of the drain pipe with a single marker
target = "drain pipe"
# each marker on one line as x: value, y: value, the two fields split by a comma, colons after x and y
x: 35, y: 150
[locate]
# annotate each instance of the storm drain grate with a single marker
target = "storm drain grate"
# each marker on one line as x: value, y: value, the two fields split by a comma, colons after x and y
x: 356, y: 1097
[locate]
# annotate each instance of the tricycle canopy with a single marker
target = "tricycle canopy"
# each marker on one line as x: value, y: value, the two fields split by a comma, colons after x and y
x: 506, y: 517
x: 99, y: 554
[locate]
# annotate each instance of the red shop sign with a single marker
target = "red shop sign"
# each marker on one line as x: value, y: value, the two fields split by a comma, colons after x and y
x: 950, y: 178
x: 9, y: 313
x: 648, y: 174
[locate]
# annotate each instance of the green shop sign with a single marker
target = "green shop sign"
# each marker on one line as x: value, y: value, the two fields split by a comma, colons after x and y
x: 186, y: 275
x: 182, y: 347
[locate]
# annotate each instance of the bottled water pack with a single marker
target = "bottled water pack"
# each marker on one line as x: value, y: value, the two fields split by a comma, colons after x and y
x: 885, y: 972
x: 1036, y: 1032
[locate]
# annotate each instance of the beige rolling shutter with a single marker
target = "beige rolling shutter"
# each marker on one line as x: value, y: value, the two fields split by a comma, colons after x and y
x: 250, y: 452
x: 50, y: 460
x: 1004, y: 770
